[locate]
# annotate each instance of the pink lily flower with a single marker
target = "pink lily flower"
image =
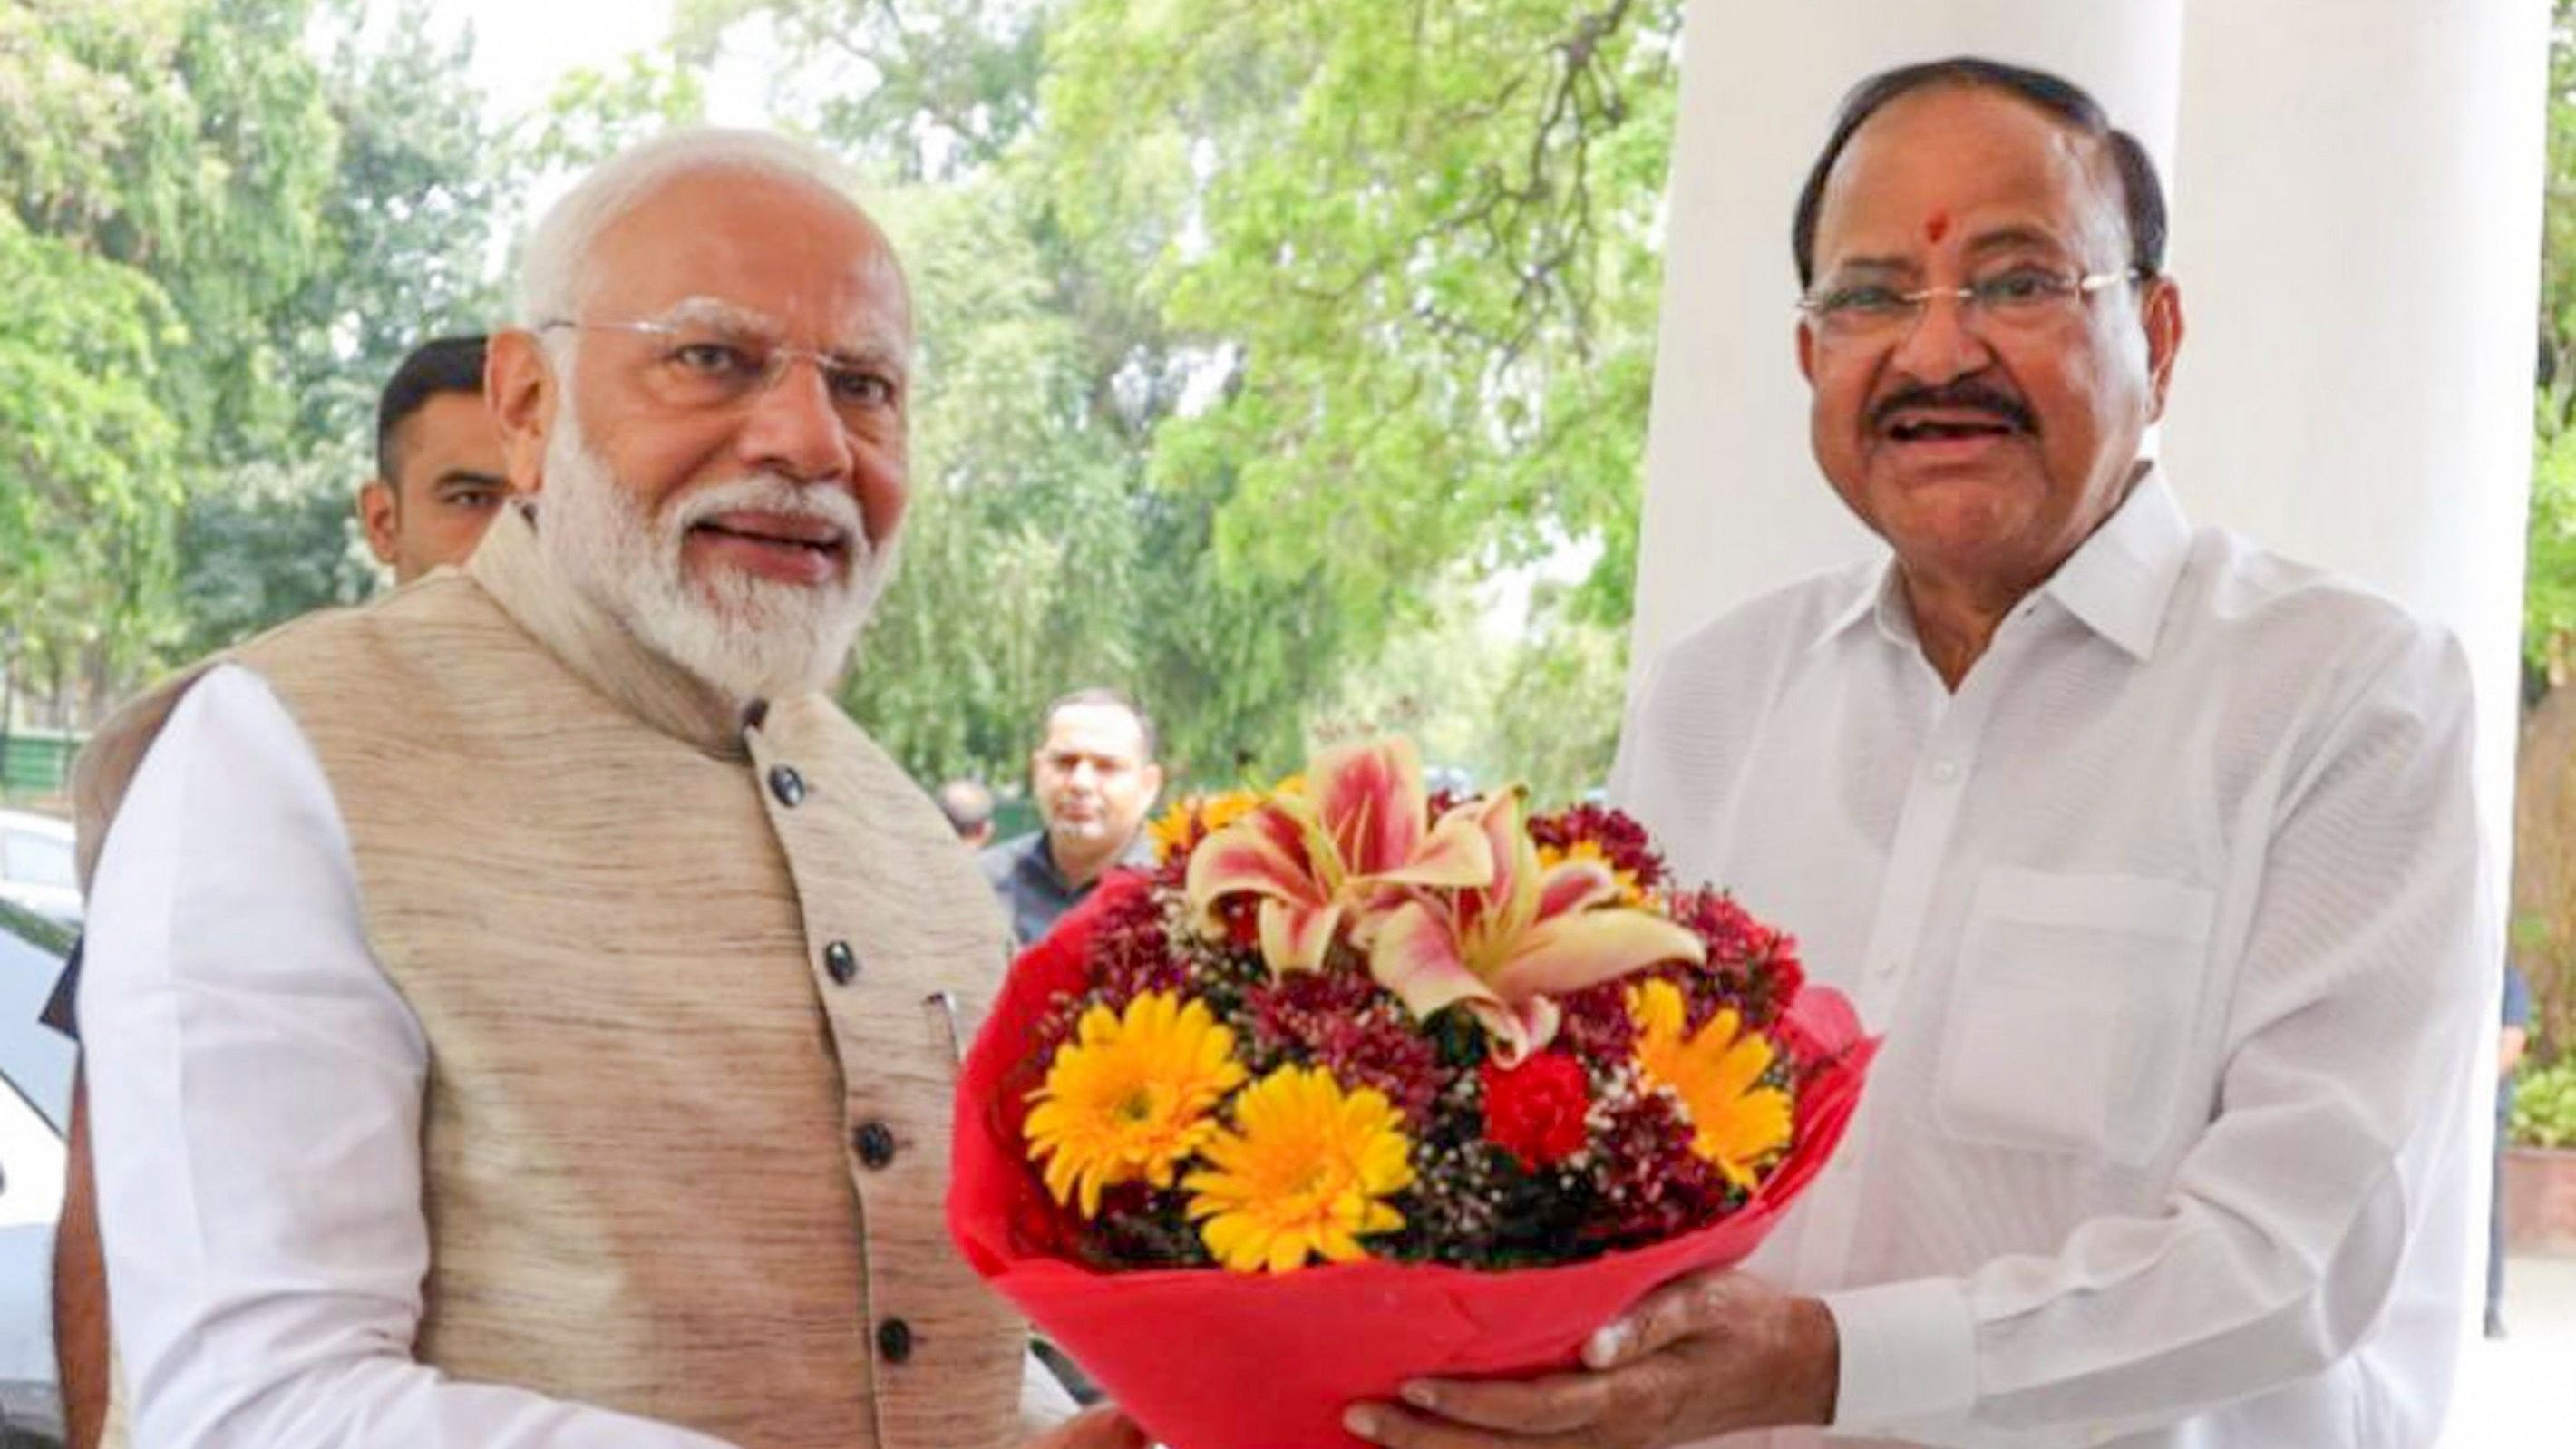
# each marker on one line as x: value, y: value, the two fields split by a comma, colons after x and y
x: 1523, y: 937
x: 1356, y: 836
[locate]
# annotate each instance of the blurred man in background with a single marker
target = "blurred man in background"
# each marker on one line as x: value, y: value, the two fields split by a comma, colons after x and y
x: 1094, y: 777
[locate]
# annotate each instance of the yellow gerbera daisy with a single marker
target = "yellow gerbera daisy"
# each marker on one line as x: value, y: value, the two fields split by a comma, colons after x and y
x: 1130, y: 1097
x: 1194, y: 818
x: 1738, y: 1127
x: 1630, y: 892
x: 1304, y: 1171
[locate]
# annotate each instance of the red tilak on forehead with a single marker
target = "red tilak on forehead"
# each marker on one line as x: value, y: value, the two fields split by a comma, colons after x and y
x: 1938, y: 227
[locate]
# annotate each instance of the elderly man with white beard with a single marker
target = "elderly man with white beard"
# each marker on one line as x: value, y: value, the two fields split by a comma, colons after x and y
x: 523, y: 1011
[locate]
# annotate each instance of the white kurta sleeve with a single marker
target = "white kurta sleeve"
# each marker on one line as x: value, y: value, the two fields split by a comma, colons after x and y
x: 256, y: 1083
x: 2335, y: 1142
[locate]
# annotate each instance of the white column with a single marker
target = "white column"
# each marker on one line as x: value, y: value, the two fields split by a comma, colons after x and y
x: 1734, y: 504
x: 2357, y: 238
x: 2358, y: 245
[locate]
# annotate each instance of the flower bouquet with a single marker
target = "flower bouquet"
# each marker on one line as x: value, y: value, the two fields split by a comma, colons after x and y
x: 1363, y: 1084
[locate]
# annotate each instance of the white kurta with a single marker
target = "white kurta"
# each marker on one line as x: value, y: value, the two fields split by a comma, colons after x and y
x: 2169, y: 916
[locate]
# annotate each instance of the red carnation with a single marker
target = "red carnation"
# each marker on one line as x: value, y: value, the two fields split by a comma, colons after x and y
x: 1535, y: 1111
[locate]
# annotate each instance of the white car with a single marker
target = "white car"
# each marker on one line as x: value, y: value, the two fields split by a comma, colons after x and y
x: 35, y: 1102
x: 36, y: 866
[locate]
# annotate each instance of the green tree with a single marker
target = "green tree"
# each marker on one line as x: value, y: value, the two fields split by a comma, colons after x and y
x: 2545, y: 828
x: 1421, y: 241
x: 161, y: 165
x: 1021, y: 548
x: 2549, y: 609
x: 88, y: 458
x: 403, y: 254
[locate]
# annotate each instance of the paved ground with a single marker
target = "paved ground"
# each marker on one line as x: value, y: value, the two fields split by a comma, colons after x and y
x: 2520, y: 1393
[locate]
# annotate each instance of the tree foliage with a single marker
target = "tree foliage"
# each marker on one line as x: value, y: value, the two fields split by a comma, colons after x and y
x: 164, y: 165
x: 226, y: 220
x: 2544, y: 866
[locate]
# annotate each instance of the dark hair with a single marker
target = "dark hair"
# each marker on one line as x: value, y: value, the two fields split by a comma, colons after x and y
x: 2143, y: 194
x: 1099, y: 695
x: 442, y: 364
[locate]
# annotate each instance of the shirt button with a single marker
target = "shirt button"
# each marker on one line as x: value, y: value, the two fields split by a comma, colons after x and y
x: 875, y: 1142
x: 894, y: 1340
x: 841, y: 961
x: 1944, y: 772
x: 787, y: 785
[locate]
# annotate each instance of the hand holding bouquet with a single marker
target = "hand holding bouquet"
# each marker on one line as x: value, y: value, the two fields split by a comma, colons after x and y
x: 1363, y: 1084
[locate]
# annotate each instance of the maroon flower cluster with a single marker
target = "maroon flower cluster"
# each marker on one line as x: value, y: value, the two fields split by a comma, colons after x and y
x: 1751, y: 967
x: 1622, y: 841
x: 1652, y: 1185
x: 1345, y: 1021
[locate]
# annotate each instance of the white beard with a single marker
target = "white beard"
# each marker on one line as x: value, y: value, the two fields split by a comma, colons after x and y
x: 747, y: 636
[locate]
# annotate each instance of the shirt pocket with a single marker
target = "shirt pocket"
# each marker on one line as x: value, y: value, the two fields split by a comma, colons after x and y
x: 2072, y: 1012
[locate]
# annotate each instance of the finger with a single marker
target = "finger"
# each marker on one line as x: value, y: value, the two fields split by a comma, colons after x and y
x: 1549, y: 1405
x: 1701, y: 1303
x: 1399, y: 1428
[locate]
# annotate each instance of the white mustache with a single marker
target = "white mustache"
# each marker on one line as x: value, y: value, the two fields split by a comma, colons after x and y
x: 770, y: 493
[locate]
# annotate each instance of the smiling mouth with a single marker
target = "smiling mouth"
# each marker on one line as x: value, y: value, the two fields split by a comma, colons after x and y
x: 1928, y: 430
x: 822, y: 539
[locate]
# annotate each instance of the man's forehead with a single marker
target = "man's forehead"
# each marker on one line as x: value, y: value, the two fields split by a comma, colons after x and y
x: 1094, y: 728
x: 448, y: 431
x: 1968, y: 161
x: 788, y: 253
x: 848, y: 329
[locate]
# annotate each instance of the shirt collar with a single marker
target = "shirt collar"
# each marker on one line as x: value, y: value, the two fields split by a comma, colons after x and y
x: 1877, y: 598
x: 590, y: 642
x: 2121, y: 579
x: 2118, y: 582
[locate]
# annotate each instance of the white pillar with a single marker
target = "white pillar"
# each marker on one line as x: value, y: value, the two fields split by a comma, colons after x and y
x: 2358, y: 243
x: 2357, y: 237
x: 1734, y: 504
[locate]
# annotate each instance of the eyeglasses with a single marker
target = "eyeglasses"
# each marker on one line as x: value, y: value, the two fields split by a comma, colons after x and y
x: 699, y: 366
x: 2023, y: 298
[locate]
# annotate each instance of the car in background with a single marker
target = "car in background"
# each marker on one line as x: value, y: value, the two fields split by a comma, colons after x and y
x: 35, y: 1112
x: 36, y: 870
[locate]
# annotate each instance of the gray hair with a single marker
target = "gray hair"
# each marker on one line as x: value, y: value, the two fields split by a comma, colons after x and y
x: 552, y: 271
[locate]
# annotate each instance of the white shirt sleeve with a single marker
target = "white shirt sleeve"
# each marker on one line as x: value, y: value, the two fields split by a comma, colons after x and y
x: 2334, y: 1148
x: 256, y: 1086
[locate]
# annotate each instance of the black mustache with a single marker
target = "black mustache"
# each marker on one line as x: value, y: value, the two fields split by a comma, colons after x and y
x: 1960, y: 396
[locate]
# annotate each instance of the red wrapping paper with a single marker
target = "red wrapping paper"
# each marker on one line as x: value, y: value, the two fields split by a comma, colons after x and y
x: 1207, y: 1359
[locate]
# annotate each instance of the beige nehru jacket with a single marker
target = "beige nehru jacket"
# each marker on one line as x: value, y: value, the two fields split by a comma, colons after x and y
x: 679, y: 966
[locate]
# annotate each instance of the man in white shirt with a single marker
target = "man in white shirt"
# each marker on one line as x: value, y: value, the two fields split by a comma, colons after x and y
x: 2152, y: 855
x: 522, y: 1012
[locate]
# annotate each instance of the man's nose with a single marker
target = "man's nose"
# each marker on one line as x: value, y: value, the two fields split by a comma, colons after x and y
x: 791, y: 427
x: 1942, y: 343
